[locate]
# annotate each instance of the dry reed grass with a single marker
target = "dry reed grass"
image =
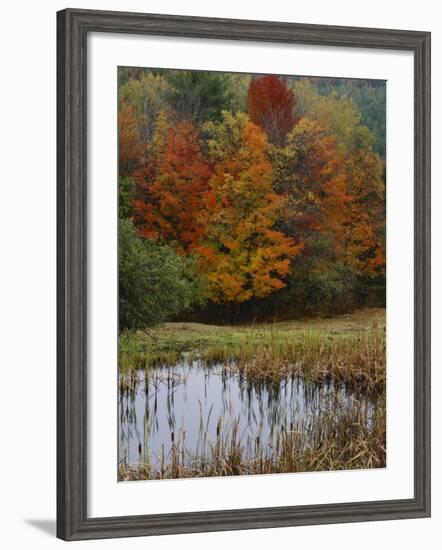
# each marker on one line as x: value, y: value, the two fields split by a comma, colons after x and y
x: 345, y: 441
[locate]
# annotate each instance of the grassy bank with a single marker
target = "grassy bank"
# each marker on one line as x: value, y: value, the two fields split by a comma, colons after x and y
x: 346, y: 348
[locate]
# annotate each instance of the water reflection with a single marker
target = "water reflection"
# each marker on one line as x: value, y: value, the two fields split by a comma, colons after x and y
x: 194, y: 407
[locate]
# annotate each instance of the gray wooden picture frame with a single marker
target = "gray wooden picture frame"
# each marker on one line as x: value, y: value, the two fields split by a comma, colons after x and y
x: 73, y: 27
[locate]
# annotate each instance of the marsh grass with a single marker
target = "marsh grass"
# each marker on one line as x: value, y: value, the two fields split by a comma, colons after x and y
x: 348, y: 440
x: 349, y: 349
x: 346, y: 351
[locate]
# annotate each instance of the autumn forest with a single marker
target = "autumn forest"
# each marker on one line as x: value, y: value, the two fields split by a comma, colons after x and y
x: 251, y: 265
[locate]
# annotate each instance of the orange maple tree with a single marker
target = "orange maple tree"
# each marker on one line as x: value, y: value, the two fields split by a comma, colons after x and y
x: 171, y: 187
x: 243, y: 254
x: 341, y: 196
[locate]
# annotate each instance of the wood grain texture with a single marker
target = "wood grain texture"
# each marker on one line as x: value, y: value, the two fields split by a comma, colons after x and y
x: 72, y: 29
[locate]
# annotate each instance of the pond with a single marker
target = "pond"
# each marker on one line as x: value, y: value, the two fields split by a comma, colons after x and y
x: 198, y: 411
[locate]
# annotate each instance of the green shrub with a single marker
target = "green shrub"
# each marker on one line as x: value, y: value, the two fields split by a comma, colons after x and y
x: 155, y: 283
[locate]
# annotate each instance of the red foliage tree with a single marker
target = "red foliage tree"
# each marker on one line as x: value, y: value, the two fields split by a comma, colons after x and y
x: 171, y: 188
x: 270, y: 105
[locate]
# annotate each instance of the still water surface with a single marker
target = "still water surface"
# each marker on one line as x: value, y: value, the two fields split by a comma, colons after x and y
x: 191, y: 405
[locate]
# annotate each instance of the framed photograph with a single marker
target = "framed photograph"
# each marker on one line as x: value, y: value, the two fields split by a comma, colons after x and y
x: 243, y: 274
